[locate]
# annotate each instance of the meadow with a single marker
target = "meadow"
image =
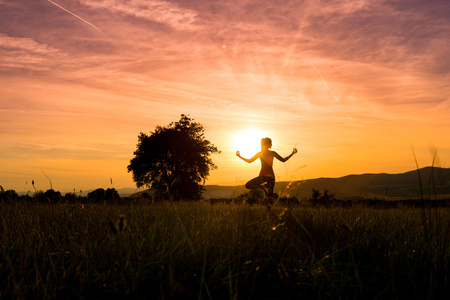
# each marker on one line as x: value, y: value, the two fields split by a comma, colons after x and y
x: 198, y: 250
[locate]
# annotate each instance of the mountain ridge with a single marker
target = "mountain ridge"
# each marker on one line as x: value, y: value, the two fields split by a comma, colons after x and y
x: 366, y: 185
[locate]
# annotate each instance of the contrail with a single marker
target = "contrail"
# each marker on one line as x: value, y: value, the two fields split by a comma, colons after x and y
x: 324, y: 82
x: 74, y: 15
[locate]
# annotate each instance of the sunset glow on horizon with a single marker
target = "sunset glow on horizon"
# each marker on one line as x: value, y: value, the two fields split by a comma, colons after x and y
x: 355, y: 85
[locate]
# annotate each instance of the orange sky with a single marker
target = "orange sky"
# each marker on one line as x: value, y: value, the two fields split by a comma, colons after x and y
x: 352, y: 84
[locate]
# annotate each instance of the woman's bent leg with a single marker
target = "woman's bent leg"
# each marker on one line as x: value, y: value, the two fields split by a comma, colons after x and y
x: 262, y: 182
x: 255, y: 183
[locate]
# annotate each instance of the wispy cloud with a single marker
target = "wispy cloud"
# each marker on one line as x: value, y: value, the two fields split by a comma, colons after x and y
x: 164, y: 12
x: 19, y: 54
x: 26, y: 44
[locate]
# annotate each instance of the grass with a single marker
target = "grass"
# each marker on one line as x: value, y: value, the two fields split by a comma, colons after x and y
x: 220, y: 251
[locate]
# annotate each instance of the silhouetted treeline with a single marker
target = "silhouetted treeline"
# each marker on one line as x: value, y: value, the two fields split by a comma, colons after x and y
x: 317, y: 199
x: 51, y: 196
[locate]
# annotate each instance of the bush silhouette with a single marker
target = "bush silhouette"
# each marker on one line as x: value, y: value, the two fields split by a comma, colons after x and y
x: 100, y: 195
x: 8, y: 195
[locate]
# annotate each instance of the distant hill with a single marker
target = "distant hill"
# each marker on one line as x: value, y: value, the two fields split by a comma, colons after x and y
x: 382, y: 185
x: 404, y: 185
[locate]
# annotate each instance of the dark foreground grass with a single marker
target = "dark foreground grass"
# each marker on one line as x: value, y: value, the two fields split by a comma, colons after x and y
x: 203, y: 251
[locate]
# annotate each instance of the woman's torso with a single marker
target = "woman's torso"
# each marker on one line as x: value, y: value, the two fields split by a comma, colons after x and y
x: 266, y: 158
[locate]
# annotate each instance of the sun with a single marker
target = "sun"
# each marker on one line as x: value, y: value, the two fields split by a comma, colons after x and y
x: 248, y: 141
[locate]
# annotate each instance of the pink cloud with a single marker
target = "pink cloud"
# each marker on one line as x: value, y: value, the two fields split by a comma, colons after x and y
x: 26, y: 53
x: 26, y: 44
x: 154, y: 10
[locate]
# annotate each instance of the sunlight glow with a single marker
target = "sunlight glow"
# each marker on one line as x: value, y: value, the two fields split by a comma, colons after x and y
x: 75, y: 106
x: 248, y: 141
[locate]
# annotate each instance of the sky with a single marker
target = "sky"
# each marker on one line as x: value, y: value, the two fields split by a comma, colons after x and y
x: 356, y: 86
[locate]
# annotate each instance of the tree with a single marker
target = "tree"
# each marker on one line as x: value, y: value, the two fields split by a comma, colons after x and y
x: 173, y: 160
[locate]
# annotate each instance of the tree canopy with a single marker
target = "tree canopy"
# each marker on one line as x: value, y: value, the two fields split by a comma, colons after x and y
x: 173, y: 160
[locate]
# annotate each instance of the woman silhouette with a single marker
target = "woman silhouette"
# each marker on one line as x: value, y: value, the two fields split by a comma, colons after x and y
x: 266, y: 178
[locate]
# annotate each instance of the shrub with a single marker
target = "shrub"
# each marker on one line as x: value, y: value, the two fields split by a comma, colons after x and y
x: 8, y: 195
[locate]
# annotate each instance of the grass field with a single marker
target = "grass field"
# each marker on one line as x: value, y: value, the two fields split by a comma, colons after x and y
x: 222, y: 251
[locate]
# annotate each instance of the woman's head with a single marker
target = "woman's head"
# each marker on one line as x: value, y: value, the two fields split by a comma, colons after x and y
x: 266, y: 142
